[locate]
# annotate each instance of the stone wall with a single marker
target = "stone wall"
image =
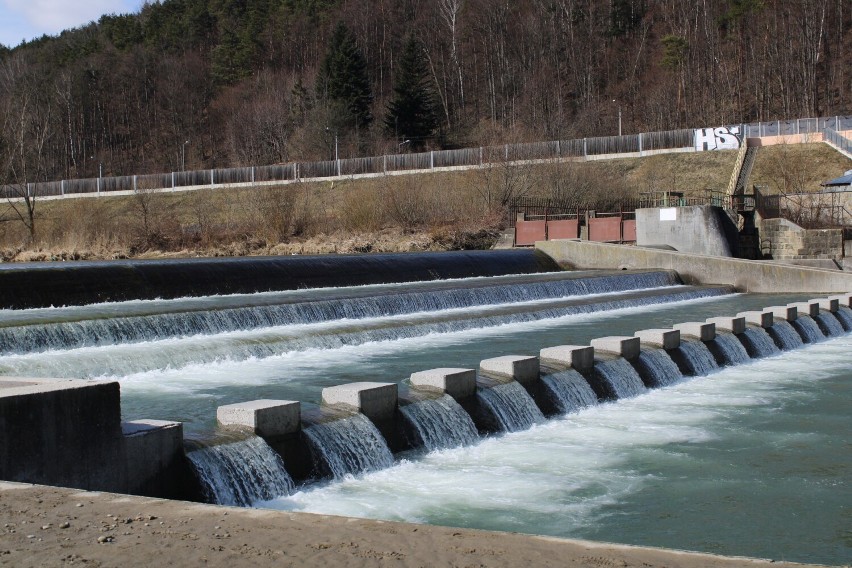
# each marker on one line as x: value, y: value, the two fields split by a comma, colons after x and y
x: 785, y: 240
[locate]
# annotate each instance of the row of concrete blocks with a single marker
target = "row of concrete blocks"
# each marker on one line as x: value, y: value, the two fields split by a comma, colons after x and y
x: 378, y: 401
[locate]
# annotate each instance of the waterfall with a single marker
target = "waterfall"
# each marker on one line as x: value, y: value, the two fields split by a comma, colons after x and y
x: 808, y: 329
x: 758, y: 343
x: 829, y: 324
x: 569, y: 390
x: 844, y: 316
x: 511, y: 406
x: 87, y: 326
x: 441, y: 423
x: 349, y: 445
x: 694, y: 358
x: 241, y: 472
x: 727, y: 349
x: 615, y: 379
x: 657, y: 368
x: 784, y: 335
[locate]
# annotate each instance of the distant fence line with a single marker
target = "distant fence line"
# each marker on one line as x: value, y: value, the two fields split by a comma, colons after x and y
x: 581, y: 148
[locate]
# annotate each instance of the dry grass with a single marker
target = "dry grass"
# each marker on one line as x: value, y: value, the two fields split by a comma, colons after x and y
x: 437, y: 211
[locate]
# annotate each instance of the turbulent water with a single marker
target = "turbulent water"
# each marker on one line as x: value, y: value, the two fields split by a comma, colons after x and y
x: 350, y: 445
x: 657, y: 369
x: 697, y: 360
x: 240, y: 472
x: 728, y: 350
x: 844, y: 316
x: 829, y: 324
x: 808, y: 329
x: 441, y: 423
x: 570, y: 390
x: 758, y: 343
x: 750, y: 461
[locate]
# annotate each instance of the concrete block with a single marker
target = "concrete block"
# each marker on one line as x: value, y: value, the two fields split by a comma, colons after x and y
x: 458, y: 383
x: 762, y: 318
x: 733, y: 324
x: 805, y: 308
x: 522, y: 368
x: 266, y: 418
x: 789, y: 313
x: 627, y: 347
x: 154, y: 449
x: 828, y: 304
x: 377, y: 401
x: 704, y: 331
x: 843, y: 299
x: 665, y: 338
x: 579, y: 357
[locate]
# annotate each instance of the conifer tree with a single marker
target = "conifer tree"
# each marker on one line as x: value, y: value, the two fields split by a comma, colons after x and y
x: 343, y: 81
x: 412, y: 113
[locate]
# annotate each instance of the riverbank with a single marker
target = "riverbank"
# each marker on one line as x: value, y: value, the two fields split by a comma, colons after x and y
x: 48, y: 526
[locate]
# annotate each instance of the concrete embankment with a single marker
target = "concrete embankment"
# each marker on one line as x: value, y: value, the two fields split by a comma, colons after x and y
x: 745, y: 275
x: 49, y: 526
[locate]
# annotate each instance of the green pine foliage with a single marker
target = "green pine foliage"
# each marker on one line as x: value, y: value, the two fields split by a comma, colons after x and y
x: 343, y: 81
x: 412, y: 113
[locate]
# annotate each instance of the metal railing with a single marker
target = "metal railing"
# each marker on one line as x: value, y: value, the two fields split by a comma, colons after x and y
x: 581, y: 148
x: 838, y: 140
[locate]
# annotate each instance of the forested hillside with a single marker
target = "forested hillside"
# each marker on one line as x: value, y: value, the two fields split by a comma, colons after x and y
x: 210, y: 83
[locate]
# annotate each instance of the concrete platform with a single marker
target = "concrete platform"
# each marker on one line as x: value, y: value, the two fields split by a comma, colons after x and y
x: 456, y: 382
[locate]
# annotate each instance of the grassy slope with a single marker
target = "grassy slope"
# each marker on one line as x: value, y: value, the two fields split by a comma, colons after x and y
x: 396, y: 213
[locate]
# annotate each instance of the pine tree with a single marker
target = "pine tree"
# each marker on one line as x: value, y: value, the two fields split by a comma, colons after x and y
x: 343, y: 80
x: 412, y: 113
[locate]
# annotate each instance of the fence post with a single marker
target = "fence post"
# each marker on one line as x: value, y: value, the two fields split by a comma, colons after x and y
x: 29, y: 190
x: 338, y: 167
x: 99, y: 186
x: 252, y: 174
x: 384, y: 164
x: 62, y: 187
x: 640, y: 144
x: 432, y: 159
x: 173, y: 181
x: 134, y: 183
x: 211, y: 177
x: 480, y: 155
x: 558, y: 149
x: 585, y: 150
x: 507, y: 152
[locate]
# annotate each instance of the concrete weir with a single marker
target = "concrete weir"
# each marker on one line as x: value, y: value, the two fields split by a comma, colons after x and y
x: 69, y: 432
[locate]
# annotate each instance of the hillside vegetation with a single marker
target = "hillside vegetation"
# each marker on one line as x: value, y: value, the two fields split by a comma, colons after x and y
x: 217, y: 83
x: 435, y: 211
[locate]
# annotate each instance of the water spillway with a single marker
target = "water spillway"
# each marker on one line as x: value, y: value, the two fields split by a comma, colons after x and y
x: 829, y: 324
x: 440, y: 423
x: 694, y: 358
x: 569, y: 390
x: 758, y: 343
x: 727, y: 349
x: 615, y: 379
x: 509, y: 406
x: 844, y: 316
x: 240, y: 471
x: 808, y: 329
x: 349, y: 445
x: 54, y: 284
x: 785, y: 335
x: 657, y: 368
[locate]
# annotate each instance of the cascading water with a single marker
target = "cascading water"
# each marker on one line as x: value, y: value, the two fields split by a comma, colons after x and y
x: 656, y: 368
x: 758, y: 343
x: 694, y: 358
x: 829, y: 324
x: 614, y: 379
x: 727, y: 349
x: 441, y: 423
x: 146, y: 321
x: 350, y: 445
x: 808, y: 329
x: 784, y: 335
x: 511, y: 406
x: 240, y: 472
x: 569, y: 390
x: 844, y: 316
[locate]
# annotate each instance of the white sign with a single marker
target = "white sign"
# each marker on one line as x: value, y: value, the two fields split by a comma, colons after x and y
x: 668, y: 214
x: 721, y: 138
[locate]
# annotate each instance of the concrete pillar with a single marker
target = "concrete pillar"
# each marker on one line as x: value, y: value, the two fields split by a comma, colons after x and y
x: 805, y: 308
x: 522, y: 368
x: 665, y: 338
x: 578, y: 357
x: 789, y: 313
x: 843, y: 299
x: 458, y: 383
x: 735, y: 325
x: 154, y: 465
x: 377, y: 401
x: 762, y: 319
x: 703, y: 331
x: 266, y: 418
x: 828, y: 304
x: 627, y: 347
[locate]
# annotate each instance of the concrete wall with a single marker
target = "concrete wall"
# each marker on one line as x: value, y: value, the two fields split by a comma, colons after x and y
x: 694, y: 229
x: 745, y: 275
x: 788, y: 241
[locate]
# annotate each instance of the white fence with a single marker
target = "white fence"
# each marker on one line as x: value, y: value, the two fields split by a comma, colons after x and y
x: 581, y: 148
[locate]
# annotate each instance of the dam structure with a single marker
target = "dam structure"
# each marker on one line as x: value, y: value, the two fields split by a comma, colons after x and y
x: 547, y: 400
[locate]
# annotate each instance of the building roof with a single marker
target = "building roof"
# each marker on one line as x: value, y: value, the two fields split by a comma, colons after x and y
x: 845, y: 179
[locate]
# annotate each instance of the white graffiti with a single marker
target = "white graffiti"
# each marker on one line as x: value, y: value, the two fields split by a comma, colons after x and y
x: 721, y: 138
